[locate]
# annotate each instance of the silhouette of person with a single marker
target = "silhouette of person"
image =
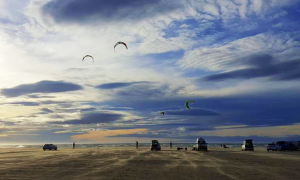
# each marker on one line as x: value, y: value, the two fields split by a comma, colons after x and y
x: 73, y: 145
x: 171, y: 145
x: 137, y: 144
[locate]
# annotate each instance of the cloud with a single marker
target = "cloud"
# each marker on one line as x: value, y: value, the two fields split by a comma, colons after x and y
x: 46, y: 111
x: 35, y: 96
x: 192, y: 112
x: 87, y: 109
x: 231, y: 56
x: 83, y: 11
x: 262, y: 66
x: 118, y: 85
x: 275, y: 131
x: 40, y: 87
x: 94, y: 118
x: 24, y: 103
x: 148, y: 91
x: 98, y: 136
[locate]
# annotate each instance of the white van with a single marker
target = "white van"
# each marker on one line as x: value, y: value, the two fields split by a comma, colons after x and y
x: 200, y: 145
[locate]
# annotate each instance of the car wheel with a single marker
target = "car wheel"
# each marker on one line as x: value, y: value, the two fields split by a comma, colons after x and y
x: 49, y: 149
x: 151, y: 149
x: 55, y: 149
x: 44, y: 149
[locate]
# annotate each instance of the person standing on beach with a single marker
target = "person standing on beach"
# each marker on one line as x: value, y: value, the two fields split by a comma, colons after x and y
x: 137, y: 144
x: 73, y: 145
x: 171, y: 145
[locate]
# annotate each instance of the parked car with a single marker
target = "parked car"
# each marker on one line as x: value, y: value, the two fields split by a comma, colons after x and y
x: 155, y: 145
x: 282, y: 145
x: 49, y: 147
x: 200, y: 145
x: 247, y: 145
x: 272, y: 147
x: 298, y: 144
x: 293, y: 145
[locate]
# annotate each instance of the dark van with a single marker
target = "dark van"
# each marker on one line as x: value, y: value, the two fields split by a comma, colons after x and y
x: 247, y: 145
x: 155, y: 145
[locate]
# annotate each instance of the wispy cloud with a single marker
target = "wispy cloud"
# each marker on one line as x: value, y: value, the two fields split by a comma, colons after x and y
x: 262, y: 66
x: 118, y: 85
x: 232, y: 56
x: 94, y: 118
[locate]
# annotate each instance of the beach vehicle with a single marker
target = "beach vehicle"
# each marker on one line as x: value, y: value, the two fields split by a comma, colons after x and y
x: 247, y: 145
x: 200, y: 145
x: 298, y: 144
x: 49, y: 147
x: 155, y: 145
x: 293, y: 145
x: 272, y: 147
x: 282, y: 145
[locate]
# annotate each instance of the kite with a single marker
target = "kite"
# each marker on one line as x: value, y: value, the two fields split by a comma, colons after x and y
x: 187, y: 103
x: 88, y: 56
x: 120, y: 43
x: 163, y: 113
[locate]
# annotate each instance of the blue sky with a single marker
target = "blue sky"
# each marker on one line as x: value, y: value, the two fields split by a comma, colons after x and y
x: 239, y: 61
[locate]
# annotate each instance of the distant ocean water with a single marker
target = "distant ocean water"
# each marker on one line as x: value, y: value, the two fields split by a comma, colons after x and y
x: 166, y: 145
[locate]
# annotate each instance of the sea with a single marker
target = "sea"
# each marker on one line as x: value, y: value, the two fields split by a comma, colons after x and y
x: 166, y: 145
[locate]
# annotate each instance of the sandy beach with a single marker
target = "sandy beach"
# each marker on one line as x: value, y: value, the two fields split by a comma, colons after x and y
x: 129, y: 163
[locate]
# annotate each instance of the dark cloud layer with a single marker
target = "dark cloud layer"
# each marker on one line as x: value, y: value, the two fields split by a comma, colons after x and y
x: 192, y: 112
x: 40, y: 87
x: 83, y: 11
x: 262, y: 66
x: 253, y: 110
x: 24, y: 103
x: 94, y: 118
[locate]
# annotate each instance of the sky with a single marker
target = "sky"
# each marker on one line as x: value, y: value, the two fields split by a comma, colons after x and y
x: 239, y: 60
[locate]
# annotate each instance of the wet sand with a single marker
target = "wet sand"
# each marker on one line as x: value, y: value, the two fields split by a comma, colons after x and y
x: 129, y: 163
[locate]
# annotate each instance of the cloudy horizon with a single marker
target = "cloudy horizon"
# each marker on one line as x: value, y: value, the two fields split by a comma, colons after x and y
x: 239, y: 61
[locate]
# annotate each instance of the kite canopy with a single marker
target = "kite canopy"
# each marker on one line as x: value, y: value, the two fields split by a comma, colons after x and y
x: 88, y: 56
x: 120, y: 43
x: 187, y: 103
